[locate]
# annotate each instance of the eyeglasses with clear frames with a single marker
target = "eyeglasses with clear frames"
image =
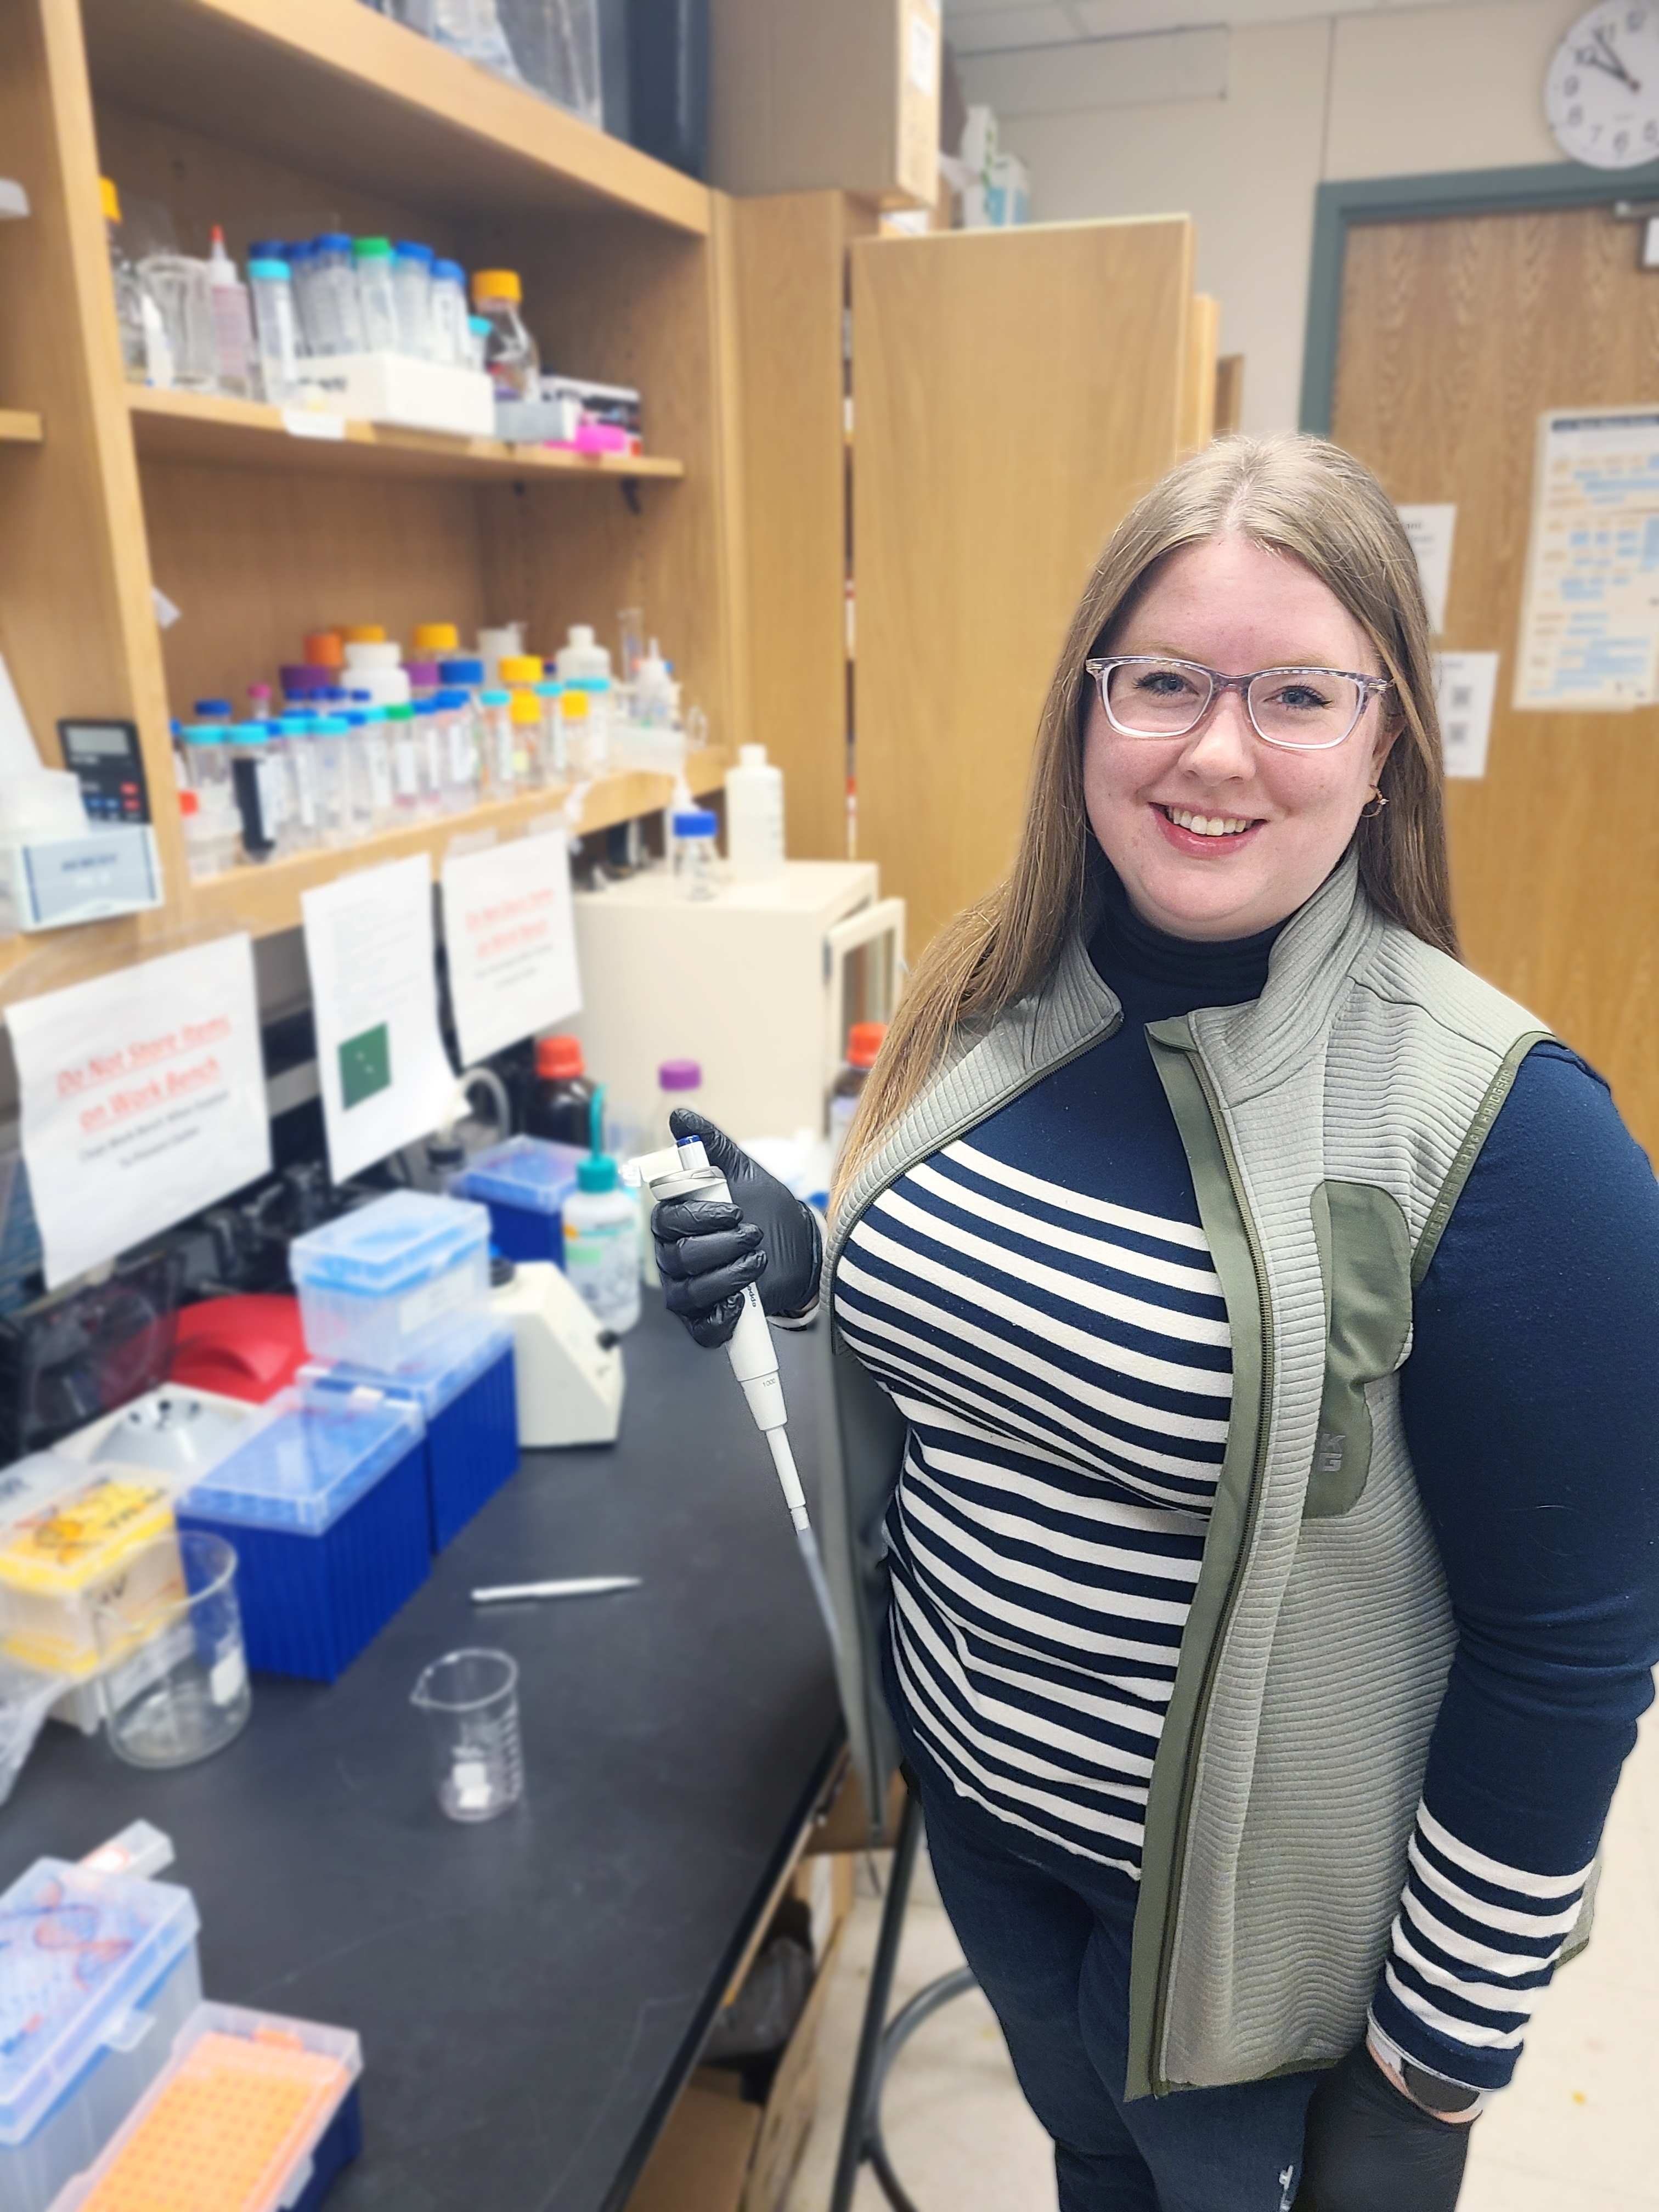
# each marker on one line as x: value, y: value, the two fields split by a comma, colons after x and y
x: 1302, y: 710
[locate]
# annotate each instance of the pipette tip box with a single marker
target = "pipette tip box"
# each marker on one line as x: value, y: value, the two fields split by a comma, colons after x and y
x: 525, y: 1183
x: 468, y: 1398
x: 386, y: 1286
x: 326, y: 1507
x: 97, y: 1974
x: 252, y: 2113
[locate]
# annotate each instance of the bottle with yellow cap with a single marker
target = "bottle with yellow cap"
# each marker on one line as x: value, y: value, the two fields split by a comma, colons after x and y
x: 431, y: 638
x: 510, y: 352
x: 520, y: 672
x: 129, y: 292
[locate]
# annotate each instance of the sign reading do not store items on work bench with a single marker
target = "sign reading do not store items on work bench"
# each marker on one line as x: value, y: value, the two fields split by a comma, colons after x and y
x: 142, y: 1098
x: 511, y: 937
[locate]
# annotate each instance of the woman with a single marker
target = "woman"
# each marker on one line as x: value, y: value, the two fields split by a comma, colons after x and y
x: 1268, y: 1303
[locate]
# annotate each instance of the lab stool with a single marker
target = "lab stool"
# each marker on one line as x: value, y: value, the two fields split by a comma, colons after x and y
x: 880, y: 2040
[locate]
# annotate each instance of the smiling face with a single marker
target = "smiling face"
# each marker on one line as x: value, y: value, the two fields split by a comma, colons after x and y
x: 1285, y: 818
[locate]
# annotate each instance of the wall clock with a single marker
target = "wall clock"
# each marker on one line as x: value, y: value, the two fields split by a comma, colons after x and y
x: 1601, y: 95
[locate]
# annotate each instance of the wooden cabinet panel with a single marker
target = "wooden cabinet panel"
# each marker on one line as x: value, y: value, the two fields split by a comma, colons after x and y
x: 1456, y: 334
x: 1014, y: 392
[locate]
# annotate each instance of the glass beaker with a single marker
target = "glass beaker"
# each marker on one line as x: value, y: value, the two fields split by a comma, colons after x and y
x: 471, y: 1699
x: 174, y: 1675
x: 183, y: 292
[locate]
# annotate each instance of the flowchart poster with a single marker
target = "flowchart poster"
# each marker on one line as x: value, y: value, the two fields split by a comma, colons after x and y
x: 511, y: 937
x: 142, y: 1099
x: 381, y: 1065
x: 1590, y: 616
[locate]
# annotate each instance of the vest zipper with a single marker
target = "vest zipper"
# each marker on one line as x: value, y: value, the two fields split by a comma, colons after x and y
x: 1160, y: 2085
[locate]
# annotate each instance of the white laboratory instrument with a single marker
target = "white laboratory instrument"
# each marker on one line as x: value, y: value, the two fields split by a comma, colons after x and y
x: 568, y: 1375
x: 683, y: 1170
x: 793, y: 961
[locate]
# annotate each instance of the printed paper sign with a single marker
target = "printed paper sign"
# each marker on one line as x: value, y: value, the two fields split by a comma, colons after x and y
x: 512, y: 942
x: 142, y: 1099
x: 380, y: 1060
x: 1590, y: 616
x: 1466, y: 684
x: 1429, y: 529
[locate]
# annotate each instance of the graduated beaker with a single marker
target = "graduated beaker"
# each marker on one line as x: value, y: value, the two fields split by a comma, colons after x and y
x: 471, y: 1699
x: 174, y: 1680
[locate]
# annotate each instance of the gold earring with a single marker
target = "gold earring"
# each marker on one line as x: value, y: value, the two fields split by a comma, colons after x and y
x: 1374, y: 806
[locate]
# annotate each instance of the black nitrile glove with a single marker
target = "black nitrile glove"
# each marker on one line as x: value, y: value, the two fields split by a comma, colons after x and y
x: 1370, y: 2148
x: 707, y: 1253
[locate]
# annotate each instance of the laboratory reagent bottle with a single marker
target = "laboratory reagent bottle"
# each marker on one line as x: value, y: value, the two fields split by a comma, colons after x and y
x: 561, y: 1100
x: 377, y: 298
x: 274, y: 335
x: 447, y: 315
x: 495, y: 743
x: 411, y: 288
x: 129, y: 293
x: 863, y: 1043
x: 509, y: 351
x: 601, y: 1244
x: 232, y: 325
x: 333, y: 313
x: 696, y: 860
x: 754, y: 817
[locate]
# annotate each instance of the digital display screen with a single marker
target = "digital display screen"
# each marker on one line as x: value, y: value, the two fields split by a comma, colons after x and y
x: 103, y: 740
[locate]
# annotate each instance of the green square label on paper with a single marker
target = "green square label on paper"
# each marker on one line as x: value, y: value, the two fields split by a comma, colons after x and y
x: 365, y: 1065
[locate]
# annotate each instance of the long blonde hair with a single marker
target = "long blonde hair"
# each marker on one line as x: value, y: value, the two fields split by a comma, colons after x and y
x: 1303, y: 496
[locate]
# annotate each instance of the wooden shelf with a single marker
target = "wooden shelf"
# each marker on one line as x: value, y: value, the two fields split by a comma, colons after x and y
x: 331, y: 86
x: 262, y: 900
x: 18, y: 427
x: 196, y: 426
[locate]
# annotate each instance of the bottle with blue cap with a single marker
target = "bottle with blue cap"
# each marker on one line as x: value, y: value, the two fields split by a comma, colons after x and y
x: 601, y: 1235
x: 412, y: 292
x: 697, y: 856
x: 448, y: 315
x: 329, y: 301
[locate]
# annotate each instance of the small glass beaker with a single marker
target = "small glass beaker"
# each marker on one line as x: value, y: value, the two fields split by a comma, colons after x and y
x: 183, y: 292
x: 471, y: 1699
x: 174, y: 1675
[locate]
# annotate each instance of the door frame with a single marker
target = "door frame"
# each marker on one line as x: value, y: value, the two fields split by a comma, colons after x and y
x: 1406, y: 200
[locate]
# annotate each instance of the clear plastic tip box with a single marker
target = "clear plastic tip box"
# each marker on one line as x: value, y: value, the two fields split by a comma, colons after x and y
x: 98, y: 1972
x: 525, y: 1183
x: 383, y: 1285
x: 466, y: 1392
x: 325, y: 1508
x: 254, y: 2113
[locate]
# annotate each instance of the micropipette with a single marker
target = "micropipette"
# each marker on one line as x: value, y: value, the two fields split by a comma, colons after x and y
x: 683, y: 1171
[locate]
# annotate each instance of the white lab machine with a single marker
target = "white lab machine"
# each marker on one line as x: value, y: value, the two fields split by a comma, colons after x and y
x: 759, y: 985
x: 567, y: 1376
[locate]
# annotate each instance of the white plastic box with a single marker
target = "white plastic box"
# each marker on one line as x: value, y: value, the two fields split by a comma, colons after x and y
x: 408, y: 394
x: 98, y: 1974
x: 382, y: 1286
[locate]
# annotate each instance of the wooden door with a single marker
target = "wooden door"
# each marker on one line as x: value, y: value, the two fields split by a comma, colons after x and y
x: 1014, y: 391
x: 1456, y: 334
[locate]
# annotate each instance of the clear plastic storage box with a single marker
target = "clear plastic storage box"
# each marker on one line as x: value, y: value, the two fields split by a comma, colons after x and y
x: 467, y: 1395
x: 254, y: 2113
x: 66, y: 1535
x: 326, y: 1506
x: 98, y: 1972
x: 525, y: 1183
x: 383, y: 1285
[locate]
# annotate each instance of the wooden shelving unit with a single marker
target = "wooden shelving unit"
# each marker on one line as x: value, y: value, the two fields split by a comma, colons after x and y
x: 191, y: 426
x: 263, y: 116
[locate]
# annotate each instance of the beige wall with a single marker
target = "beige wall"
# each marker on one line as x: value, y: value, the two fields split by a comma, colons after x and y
x: 1402, y: 91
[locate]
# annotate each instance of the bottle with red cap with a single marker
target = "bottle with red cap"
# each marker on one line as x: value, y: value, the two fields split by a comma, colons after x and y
x: 560, y: 1105
x: 863, y: 1043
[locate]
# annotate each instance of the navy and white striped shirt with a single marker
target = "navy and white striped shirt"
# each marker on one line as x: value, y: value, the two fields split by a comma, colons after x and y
x: 1039, y: 1300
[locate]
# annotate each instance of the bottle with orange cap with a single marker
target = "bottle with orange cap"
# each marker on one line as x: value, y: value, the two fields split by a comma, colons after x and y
x: 561, y: 1102
x: 510, y: 352
x: 864, y: 1041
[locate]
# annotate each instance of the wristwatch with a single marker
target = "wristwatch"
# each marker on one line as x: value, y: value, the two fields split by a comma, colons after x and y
x: 1435, y: 2093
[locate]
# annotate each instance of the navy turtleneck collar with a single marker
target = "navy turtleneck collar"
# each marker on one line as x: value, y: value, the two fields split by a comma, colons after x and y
x: 1155, y: 975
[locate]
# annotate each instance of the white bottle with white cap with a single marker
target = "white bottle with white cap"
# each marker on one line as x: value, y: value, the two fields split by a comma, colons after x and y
x: 754, y: 817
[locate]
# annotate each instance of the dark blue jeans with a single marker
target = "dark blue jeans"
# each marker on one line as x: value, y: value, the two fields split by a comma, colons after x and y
x: 1048, y: 1934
